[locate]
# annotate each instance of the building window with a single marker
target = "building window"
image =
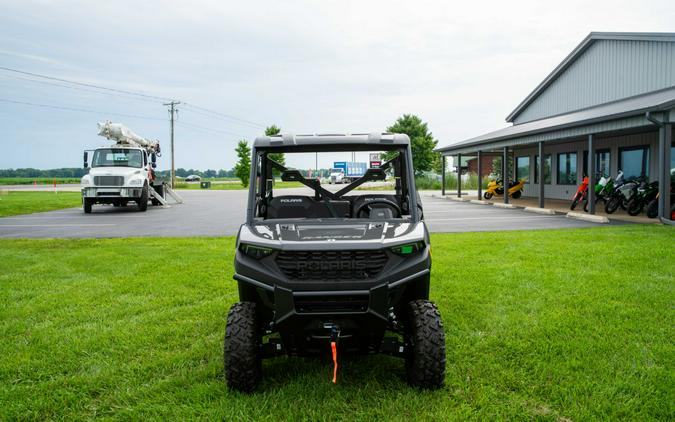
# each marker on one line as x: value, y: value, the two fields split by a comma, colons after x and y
x: 523, y: 168
x: 601, y: 162
x: 567, y: 168
x: 634, y: 162
x: 547, y: 169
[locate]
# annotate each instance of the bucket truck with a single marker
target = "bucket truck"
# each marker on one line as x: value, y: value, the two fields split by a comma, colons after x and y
x: 123, y: 172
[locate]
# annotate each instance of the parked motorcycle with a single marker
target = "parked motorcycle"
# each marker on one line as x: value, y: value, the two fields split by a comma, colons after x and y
x: 580, y: 194
x: 496, y: 188
x: 602, y: 190
x: 653, y: 205
x: 644, y: 194
x: 623, y: 192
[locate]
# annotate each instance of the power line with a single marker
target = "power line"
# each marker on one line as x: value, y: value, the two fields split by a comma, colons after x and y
x: 120, y: 91
x: 81, y: 110
x: 214, y: 113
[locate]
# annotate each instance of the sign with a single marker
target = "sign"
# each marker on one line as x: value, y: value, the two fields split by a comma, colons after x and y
x: 375, y: 164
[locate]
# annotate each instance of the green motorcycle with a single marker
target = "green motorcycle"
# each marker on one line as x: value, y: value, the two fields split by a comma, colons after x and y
x: 603, y: 189
x: 645, y: 193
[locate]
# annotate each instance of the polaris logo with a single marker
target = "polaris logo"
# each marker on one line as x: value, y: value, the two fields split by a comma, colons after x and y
x: 287, y: 201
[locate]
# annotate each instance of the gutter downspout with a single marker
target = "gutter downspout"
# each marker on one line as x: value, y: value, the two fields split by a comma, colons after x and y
x: 662, y: 125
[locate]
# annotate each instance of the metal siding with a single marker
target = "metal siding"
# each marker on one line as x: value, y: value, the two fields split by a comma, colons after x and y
x: 608, y: 70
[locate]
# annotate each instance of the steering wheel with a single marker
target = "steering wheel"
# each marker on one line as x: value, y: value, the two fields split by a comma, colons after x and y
x: 369, y: 207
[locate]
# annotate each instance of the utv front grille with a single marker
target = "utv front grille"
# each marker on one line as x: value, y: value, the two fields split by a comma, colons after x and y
x: 331, y: 265
x: 109, y: 180
x: 352, y: 303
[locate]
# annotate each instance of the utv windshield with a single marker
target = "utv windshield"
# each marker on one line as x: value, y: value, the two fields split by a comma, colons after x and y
x: 299, y: 190
x: 117, y: 157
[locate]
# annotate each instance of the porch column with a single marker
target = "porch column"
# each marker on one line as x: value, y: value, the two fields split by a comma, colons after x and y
x: 541, y: 174
x: 591, y: 175
x: 480, y: 175
x: 505, y: 174
x: 459, y: 175
x: 665, y: 142
x: 442, y: 175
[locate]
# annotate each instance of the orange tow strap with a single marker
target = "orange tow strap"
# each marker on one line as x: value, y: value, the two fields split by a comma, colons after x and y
x: 333, y: 347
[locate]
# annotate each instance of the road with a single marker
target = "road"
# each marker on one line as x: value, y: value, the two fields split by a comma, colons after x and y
x: 220, y: 213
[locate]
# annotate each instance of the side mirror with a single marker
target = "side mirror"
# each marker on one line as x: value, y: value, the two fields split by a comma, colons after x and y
x: 86, y: 154
x: 153, y: 158
x: 154, y: 165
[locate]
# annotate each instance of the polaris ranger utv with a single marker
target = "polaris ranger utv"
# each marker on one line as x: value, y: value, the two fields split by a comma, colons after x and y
x: 335, y: 270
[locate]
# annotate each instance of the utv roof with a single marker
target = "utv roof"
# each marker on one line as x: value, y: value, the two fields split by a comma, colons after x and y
x: 375, y: 140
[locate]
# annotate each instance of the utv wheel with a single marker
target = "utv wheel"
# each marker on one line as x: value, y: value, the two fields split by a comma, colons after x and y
x: 425, y: 362
x: 143, y: 201
x: 243, y: 364
x: 487, y: 195
x: 87, y: 204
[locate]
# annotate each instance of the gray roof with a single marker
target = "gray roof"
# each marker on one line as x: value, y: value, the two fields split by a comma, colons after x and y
x: 653, y: 101
x: 580, y: 49
x: 290, y: 140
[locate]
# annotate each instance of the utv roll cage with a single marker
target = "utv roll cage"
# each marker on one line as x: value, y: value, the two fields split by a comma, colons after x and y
x: 261, y: 190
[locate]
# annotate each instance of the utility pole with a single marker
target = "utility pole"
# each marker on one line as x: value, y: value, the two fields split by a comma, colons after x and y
x: 172, y: 111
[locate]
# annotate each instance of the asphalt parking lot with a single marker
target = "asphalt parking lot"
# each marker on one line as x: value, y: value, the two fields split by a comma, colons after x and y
x: 220, y: 213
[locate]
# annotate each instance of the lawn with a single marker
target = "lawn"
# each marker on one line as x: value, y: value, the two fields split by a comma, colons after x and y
x: 15, y: 203
x: 552, y: 325
x: 38, y: 180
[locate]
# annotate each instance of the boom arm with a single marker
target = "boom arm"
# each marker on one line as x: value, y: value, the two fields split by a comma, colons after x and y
x: 122, y: 135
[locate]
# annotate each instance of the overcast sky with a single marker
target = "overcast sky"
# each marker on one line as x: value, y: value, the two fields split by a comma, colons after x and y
x: 328, y: 66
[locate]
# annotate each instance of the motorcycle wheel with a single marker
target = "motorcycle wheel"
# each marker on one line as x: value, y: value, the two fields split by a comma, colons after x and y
x: 575, y: 202
x: 612, y: 205
x: 653, y: 208
x: 635, y: 207
x: 487, y: 195
x: 516, y: 194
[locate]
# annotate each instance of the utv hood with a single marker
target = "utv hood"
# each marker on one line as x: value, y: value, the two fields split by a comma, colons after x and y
x: 324, y: 236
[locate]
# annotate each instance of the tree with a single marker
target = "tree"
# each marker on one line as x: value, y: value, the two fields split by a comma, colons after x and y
x: 279, y: 157
x: 243, y: 167
x: 422, y: 143
x: 497, y: 167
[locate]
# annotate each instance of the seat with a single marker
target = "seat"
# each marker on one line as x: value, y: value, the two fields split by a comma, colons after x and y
x: 298, y: 206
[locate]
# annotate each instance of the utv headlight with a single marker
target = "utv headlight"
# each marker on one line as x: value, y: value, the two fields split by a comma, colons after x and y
x: 255, y: 252
x: 136, y: 182
x: 408, y: 248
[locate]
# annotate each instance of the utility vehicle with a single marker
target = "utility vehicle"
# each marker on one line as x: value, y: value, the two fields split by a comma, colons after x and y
x: 333, y: 271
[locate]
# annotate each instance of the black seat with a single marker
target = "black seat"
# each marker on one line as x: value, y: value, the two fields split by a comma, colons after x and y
x: 298, y: 206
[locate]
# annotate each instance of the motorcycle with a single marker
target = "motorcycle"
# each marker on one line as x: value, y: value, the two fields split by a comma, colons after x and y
x: 580, y: 194
x: 602, y: 190
x: 644, y: 194
x: 623, y: 192
x: 495, y: 188
x: 653, y: 205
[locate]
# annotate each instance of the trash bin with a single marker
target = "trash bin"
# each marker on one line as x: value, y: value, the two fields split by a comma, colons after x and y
x: 205, y: 185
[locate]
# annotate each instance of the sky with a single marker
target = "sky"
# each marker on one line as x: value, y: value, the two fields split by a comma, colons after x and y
x: 306, y: 66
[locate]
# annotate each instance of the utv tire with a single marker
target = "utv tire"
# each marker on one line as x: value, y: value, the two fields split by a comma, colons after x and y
x: 143, y: 201
x: 243, y: 364
x: 425, y: 362
x: 516, y: 194
x: 87, y: 203
x: 487, y: 195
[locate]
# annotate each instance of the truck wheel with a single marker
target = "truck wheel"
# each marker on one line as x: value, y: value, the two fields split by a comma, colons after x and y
x: 143, y: 202
x: 425, y: 362
x: 243, y: 364
x: 87, y: 204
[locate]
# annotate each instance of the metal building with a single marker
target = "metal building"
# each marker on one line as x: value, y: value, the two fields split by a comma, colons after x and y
x: 613, y: 95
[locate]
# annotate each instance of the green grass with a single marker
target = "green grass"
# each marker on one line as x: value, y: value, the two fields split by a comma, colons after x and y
x: 550, y: 325
x: 38, y: 180
x: 15, y: 203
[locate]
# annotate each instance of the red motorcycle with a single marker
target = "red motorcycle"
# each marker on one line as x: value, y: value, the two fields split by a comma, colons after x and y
x: 581, y: 193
